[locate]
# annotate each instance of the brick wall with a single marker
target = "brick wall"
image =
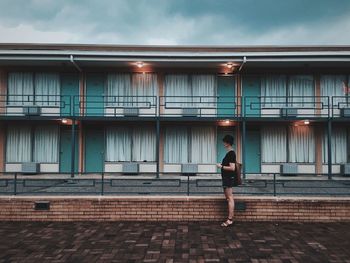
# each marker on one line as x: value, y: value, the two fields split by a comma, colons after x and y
x: 175, y: 208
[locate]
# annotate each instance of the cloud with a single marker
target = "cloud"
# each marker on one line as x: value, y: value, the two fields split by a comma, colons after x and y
x: 228, y: 22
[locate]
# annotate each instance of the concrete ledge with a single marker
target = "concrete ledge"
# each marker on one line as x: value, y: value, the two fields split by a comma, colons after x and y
x: 174, y: 208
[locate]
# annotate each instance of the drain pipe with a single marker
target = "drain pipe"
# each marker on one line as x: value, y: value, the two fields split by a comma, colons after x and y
x: 74, y: 63
x: 244, y: 61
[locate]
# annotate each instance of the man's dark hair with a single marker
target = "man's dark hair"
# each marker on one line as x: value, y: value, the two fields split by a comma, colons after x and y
x: 228, y: 139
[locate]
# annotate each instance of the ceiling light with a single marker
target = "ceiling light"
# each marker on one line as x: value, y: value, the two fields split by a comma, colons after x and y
x: 229, y: 65
x: 64, y: 121
x: 306, y: 122
x: 139, y: 64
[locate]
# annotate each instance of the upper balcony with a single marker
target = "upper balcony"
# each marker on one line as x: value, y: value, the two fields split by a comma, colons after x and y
x: 287, y: 107
x: 35, y: 106
x: 199, y: 106
x: 174, y: 107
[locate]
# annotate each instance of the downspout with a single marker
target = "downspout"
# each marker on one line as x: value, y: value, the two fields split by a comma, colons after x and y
x: 75, y: 64
x: 244, y: 61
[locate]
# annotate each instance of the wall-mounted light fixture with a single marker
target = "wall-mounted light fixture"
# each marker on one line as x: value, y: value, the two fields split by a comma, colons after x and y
x: 306, y: 122
x: 64, y: 121
x: 139, y: 64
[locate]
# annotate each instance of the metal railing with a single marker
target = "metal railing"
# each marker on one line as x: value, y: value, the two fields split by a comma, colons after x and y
x: 35, y: 105
x: 286, y: 106
x: 199, y: 106
x: 176, y: 106
x: 340, y: 106
x: 265, y: 184
x: 114, y: 106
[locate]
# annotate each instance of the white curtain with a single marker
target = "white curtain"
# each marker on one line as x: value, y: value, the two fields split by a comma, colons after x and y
x: 274, y: 144
x: 119, y: 85
x: 144, y: 85
x: 273, y: 91
x: 203, y: 145
x: 177, y: 85
x: 118, y: 144
x: 18, y: 144
x: 204, y: 90
x: 20, y: 88
x: 301, y: 86
x: 47, y: 89
x: 176, y: 145
x: 46, y: 144
x: 144, y: 144
x: 339, y: 146
x: 301, y: 144
x: 333, y: 85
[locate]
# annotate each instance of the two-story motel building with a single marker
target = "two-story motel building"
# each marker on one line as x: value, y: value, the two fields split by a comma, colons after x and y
x: 165, y: 109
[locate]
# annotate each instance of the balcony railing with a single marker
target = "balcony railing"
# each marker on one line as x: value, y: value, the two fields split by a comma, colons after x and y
x: 115, y: 106
x: 286, y: 107
x: 35, y: 105
x: 176, y: 106
x: 199, y: 106
x: 340, y: 106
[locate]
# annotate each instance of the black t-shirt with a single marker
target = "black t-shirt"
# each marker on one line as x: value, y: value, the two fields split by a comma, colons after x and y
x: 230, y: 157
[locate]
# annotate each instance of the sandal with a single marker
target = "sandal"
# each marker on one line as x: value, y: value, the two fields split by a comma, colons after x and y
x: 228, y: 222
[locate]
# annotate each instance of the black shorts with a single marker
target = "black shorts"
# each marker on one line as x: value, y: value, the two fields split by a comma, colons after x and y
x: 228, y: 181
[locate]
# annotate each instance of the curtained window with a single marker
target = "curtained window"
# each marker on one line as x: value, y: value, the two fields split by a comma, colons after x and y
x: 130, y: 144
x: 339, y: 146
x: 273, y: 91
x: 301, y: 91
x: 274, y: 144
x: 301, y: 142
x: 333, y: 85
x: 194, y: 90
x: 27, y: 144
x: 131, y: 90
x: 190, y: 145
x: 41, y: 89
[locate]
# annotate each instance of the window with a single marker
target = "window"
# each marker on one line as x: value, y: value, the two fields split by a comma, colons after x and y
x: 338, y: 144
x: 32, y: 144
x: 130, y: 144
x: 190, y: 145
x: 42, y: 89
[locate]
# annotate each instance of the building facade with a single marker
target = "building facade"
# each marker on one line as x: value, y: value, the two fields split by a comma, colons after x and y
x: 164, y: 110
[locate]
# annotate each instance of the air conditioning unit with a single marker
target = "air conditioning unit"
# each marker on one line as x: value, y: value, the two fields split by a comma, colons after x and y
x: 131, y: 112
x: 31, y: 110
x: 189, y: 168
x: 289, y: 169
x: 190, y: 112
x: 345, y: 169
x: 130, y: 168
x: 289, y: 112
x: 345, y: 112
x: 30, y: 168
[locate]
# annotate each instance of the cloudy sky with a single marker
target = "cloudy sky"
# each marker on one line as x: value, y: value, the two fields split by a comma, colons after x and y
x: 184, y: 22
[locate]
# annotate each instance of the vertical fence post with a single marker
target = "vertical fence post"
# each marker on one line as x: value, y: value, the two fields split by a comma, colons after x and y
x: 188, y: 184
x: 274, y: 184
x: 243, y: 147
x: 15, y: 185
x: 73, y: 149
x: 157, y: 143
x: 102, y: 183
x: 329, y: 143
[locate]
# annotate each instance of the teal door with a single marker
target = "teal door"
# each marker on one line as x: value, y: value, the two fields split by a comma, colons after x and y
x: 94, y: 149
x: 251, y: 92
x: 94, y: 94
x: 252, y: 151
x: 221, y: 132
x: 69, y: 90
x: 226, y: 93
x: 66, y: 150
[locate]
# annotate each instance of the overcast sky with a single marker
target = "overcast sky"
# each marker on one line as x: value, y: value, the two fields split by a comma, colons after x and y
x: 183, y: 22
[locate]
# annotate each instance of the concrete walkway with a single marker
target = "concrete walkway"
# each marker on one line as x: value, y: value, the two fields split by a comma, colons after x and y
x: 173, y: 242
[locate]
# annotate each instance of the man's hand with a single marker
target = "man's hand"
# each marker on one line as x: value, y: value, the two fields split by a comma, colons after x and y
x: 218, y: 165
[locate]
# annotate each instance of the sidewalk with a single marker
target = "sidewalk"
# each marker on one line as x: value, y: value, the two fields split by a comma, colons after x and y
x: 173, y: 242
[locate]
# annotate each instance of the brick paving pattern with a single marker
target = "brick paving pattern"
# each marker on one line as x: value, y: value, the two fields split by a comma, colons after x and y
x: 173, y: 242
